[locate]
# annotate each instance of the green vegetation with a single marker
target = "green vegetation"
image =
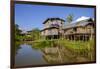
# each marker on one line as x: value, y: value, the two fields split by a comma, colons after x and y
x: 82, y: 48
x: 31, y: 36
x: 35, y: 34
x: 78, y: 48
x: 70, y: 18
x: 40, y: 44
x: 17, y: 33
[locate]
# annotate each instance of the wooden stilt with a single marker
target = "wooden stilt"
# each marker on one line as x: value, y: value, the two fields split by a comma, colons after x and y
x: 79, y: 37
x: 74, y: 37
x: 83, y: 37
x: 71, y: 37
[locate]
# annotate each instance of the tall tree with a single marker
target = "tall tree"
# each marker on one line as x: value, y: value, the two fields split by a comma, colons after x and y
x: 69, y: 18
x: 17, y: 32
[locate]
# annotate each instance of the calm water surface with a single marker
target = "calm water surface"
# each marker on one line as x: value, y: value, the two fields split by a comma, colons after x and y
x: 28, y: 55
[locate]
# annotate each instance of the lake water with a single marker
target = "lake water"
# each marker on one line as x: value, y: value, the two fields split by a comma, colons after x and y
x: 28, y: 55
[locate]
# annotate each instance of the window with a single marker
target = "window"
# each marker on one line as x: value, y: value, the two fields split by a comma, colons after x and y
x: 75, y: 29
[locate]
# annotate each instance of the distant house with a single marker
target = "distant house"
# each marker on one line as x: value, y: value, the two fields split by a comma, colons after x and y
x: 52, y: 27
x: 79, y: 30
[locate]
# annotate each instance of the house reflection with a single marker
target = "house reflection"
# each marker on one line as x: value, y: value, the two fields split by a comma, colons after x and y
x: 56, y: 55
x: 61, y: 55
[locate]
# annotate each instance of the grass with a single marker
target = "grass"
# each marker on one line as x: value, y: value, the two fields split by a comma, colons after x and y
x: 42, y: 44
x: 66, y: 43
x: 80, y: 48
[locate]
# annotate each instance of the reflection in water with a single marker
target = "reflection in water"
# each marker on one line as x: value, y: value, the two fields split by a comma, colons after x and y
x: 26, y: 55
x: 29, y: 55
x: 17, y: 47
x: 58, y: 55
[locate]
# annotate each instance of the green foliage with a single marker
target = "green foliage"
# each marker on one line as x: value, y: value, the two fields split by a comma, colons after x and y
x: 17, y: 33
x: 80, y: 48
x: 35, y: 34
x: 70, y: 18
x: 42, y: 44
x: 84, y: 48
x: 17, y: 30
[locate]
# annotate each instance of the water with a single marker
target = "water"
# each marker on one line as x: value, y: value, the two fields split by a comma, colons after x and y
x: 28, y: 55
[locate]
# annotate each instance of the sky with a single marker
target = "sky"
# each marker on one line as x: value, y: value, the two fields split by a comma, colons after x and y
x: 29, y: 16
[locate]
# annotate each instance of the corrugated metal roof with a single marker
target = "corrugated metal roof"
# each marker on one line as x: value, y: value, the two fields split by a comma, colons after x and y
x: 79, y: 23
x: 53, y: 19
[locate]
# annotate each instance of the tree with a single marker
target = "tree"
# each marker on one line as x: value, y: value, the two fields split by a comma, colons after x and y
x: 17, y: 32
x: 35, y: 34
x: 69, y: 18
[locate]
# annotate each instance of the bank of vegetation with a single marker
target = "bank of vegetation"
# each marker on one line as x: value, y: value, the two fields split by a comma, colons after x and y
x: 79, y: 48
